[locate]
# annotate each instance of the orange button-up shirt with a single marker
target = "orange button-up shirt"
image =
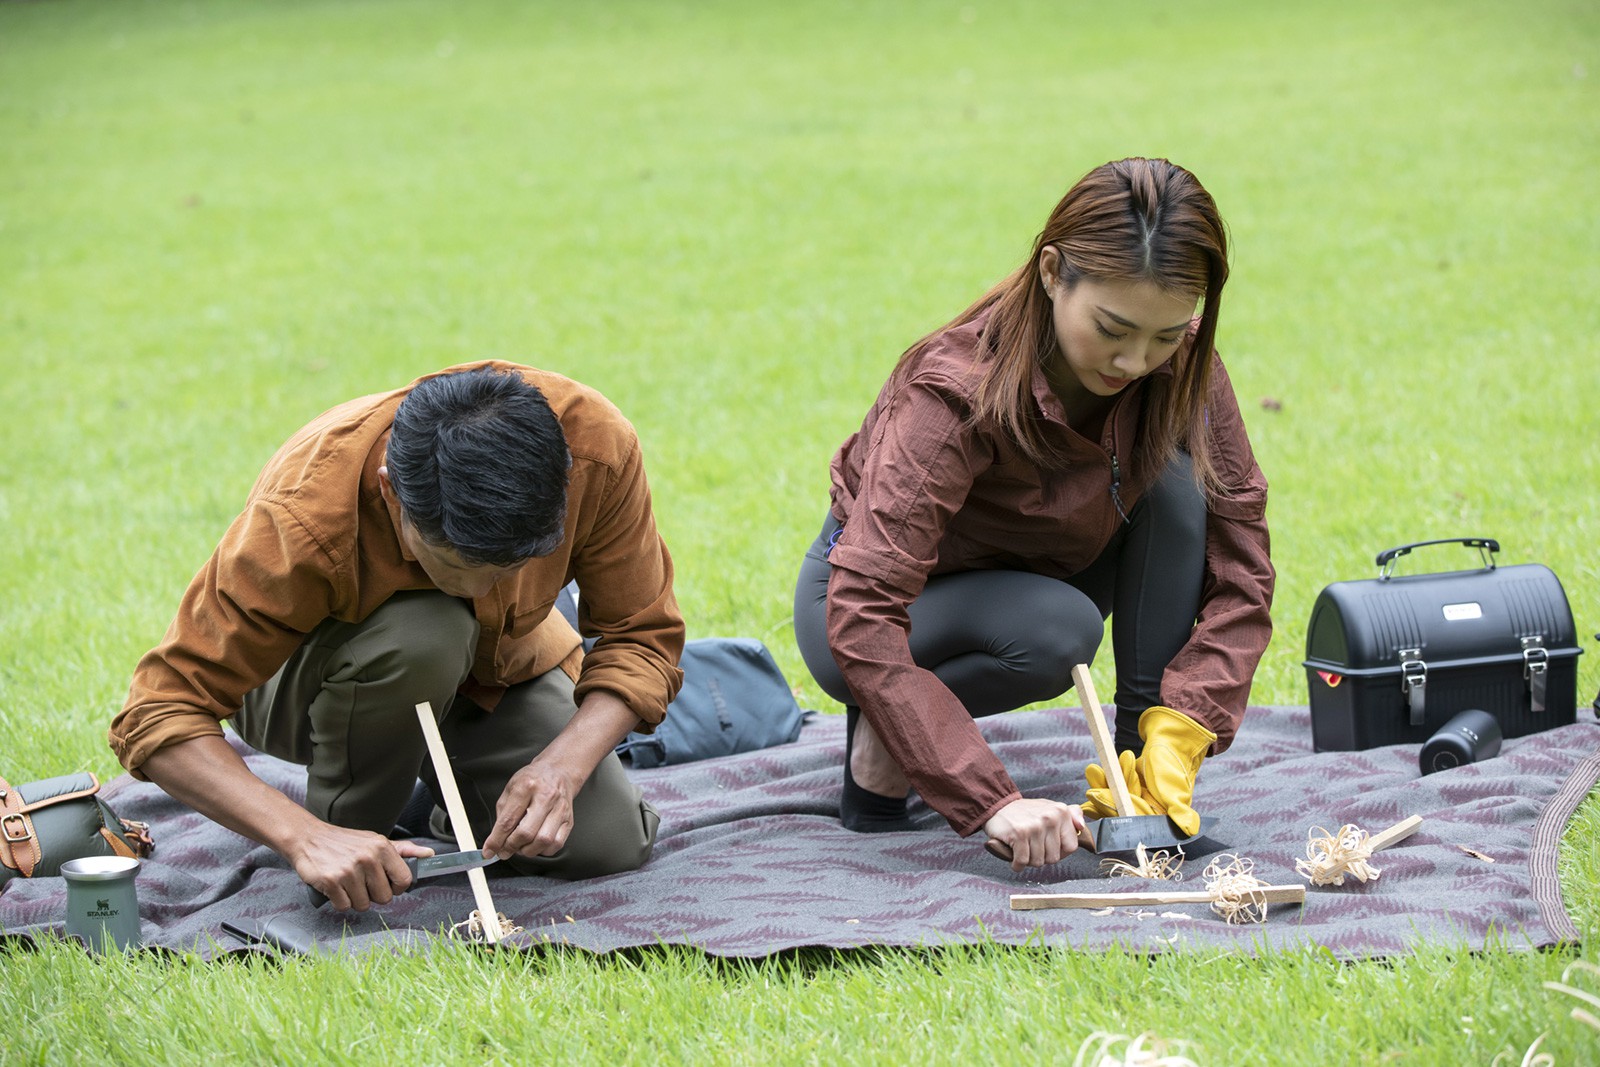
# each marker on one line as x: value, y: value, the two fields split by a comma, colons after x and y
x: 316, y: 540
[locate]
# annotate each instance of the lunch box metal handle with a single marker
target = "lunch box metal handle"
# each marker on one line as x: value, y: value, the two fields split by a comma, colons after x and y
x: 1486, y: 546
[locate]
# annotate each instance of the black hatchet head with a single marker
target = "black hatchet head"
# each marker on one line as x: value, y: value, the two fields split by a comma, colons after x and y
x: 1119, y: 836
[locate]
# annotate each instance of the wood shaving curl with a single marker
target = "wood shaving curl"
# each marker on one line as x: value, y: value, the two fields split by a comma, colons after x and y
x: 1233, y: 889
x: 471, y: 929
x: 1162, y: 866
x: 1532, y: 1058
x: 1329, y: 857
x: 1096, y: 1052
x: 1586, y: 1018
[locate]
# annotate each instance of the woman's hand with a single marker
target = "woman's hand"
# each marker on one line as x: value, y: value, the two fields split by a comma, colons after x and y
x: 1038, y: 832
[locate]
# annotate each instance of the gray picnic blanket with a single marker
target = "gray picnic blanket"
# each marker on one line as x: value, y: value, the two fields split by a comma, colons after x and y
x: 751, y: 859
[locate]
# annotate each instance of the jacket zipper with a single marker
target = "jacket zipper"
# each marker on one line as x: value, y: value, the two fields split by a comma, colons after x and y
x: 1116, y: 486
x: 1110, y: 445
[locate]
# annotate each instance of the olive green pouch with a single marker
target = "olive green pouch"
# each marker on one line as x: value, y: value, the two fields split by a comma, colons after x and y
x: 44, y: 824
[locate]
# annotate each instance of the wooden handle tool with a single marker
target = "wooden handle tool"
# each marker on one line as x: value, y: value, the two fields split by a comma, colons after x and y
x: 1107, y: 752
x: 1104, y: 747
x: 487, y: 914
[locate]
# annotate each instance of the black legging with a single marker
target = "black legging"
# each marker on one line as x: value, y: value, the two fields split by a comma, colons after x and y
x: 1003, y: 639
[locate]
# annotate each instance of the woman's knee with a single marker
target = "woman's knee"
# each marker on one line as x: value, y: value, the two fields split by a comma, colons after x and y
x: 1002, y: 639
x: 811, y: 626
x: 1175, y: 502
x: 1061, y: 631
x: 1069, y: 632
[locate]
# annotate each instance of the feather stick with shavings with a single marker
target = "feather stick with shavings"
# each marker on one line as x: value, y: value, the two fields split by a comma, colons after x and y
x: 1234, y: 889
x: 1162, y: 866
x: 472, y: 928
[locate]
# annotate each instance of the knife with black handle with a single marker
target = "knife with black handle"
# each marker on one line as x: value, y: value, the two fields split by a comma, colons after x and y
x: 425, y: 867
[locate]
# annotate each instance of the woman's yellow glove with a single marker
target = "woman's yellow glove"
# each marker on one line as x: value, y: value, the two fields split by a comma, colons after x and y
x: 1100, y: 804
x: 1161, y: 780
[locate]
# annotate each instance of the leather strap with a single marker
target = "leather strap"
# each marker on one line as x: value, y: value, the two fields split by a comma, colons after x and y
x: 19, y: 847
x: 119, y: 847
x: 137, y: 835
x: 19, y: 843
x: 61, y: 798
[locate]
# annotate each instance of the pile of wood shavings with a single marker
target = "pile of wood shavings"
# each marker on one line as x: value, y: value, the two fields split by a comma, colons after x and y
x: 472, y: 928
x: 1233, y: 889
x: 1329, y: 857
x: 1162, y: 866
x: 1096, y: 1052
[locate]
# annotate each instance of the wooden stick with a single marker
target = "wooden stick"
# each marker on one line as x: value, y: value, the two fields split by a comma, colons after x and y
x: 458, y: 821
x: 1104, y: 747
x: 1394, y: 834
x: 1271, y: 894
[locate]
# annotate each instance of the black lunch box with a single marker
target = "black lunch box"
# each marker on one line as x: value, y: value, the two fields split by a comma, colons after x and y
x: 1390, y: 659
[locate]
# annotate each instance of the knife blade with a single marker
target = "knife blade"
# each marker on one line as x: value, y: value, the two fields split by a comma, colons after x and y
x: 426, y: 867
x: 449, y: 863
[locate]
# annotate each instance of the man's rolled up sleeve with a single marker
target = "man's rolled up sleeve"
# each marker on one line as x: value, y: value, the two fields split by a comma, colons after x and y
x: 241, y: 618
x: 625, y: 599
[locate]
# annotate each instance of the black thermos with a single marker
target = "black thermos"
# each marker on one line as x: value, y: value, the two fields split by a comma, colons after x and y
x: 1471, y: 736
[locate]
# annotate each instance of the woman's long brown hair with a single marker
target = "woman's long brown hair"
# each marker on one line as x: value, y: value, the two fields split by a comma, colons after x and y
x: 1132, y: 220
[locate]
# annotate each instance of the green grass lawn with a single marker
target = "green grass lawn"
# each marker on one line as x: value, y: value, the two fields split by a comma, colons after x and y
x: 218, y: 219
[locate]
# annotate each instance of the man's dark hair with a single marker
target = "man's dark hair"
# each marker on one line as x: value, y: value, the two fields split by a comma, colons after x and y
x: 479, y: 463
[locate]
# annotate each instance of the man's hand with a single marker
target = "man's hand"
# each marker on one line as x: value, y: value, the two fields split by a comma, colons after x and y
x: 354, y: 869
x: 1038, y: 832
x: 534, y: 814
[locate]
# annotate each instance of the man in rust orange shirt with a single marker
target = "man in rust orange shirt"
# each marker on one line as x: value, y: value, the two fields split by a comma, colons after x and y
x: 409, y: 547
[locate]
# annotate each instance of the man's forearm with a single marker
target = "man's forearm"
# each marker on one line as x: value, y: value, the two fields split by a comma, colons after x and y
x: 209, y: 776
x: 602, y: 721
x: 535, y: 811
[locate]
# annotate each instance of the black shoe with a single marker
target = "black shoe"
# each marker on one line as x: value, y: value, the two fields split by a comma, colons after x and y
x: 413, y: 819
x: 860, y: 809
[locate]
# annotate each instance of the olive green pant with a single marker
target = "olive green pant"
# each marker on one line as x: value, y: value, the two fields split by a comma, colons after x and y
x: 344, y: 707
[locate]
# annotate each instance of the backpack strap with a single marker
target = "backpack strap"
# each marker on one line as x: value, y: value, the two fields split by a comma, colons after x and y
x: 19, y: 841
x: 19, y: 845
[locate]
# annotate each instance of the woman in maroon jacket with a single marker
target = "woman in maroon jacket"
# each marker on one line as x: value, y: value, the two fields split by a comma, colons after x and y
x: 1067, y: 448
